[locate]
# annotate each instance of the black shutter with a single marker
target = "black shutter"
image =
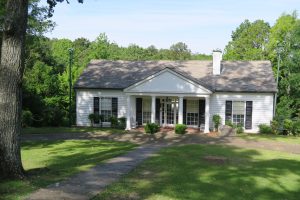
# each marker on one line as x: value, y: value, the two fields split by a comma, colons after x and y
x: 228, y: 111
x: 201, y: 112
x: 96, y: 108
x: 184, y: 111
x: 157, y: 110
x: 139, y: 111
x: 248, y: 121
x: 114, y: 107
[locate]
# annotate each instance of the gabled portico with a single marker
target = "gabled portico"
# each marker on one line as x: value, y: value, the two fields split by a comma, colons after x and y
x: 170, y: 98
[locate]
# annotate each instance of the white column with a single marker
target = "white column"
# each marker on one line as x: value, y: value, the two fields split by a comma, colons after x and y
x: 153, y: 105
x: 128, y: 118
x: 206, y: 129
x: 180, y: 111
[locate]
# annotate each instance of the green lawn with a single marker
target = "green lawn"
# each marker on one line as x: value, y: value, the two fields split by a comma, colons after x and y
x: 49, y: 162
x: 45, y: 130
x: 277, y: 138
x: 186, y: 172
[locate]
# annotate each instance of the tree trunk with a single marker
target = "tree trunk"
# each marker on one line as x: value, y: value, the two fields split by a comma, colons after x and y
x: 11, y: 73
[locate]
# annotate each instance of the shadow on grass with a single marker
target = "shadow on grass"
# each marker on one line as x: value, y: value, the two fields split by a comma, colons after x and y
x: 59, y: 130
x: 270, y: 137
x: 52, y: 161
x: 183, y: 173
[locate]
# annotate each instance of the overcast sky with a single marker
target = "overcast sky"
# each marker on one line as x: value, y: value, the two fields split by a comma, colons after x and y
x: 203, y: 25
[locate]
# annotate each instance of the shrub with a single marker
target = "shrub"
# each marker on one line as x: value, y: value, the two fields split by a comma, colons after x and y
x: 114, y: 122
x: 151, y: 128
x: 288, y: 126
x: 217, y: 121
x: 122, y: 122
x: 265, y: 129
x: 296, y: 127
x: 26, y: 118
x: 239, y: 128
x: 95, y: 118
x: 180, y: 128
x: 276, y: 128
x: 229, y: 123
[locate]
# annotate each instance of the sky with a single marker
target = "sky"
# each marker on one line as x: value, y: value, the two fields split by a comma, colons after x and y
x: 203, y: 25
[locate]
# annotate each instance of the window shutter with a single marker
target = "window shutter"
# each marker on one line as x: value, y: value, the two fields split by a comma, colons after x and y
x: 248, y: 121
x: 114, y: 107
x: 157, y: 110
x: 139, y: 111
x: 228, y: 111
x: 96, y: 108
x: 201, y: 113
x: 184, y: 111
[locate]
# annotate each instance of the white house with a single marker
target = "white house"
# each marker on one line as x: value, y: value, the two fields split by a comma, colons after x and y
x: 177, y: 92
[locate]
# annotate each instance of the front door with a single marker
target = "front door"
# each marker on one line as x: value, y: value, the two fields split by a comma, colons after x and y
x: 169, y: 111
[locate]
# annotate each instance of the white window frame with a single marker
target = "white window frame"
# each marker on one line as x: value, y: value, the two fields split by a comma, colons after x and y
x: 195, y: 112
x: 143, y: 120
x: 101, y: 103
x: 244, y: 121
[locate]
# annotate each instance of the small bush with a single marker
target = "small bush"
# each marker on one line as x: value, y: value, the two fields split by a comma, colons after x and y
x: 276, y: 128
x: 151, y: 128
x: 180, y: 128
x: 122, y: 122
x: 26, y: 118
x: 239, y: 129
x: 288, y: 126
x: 229, y: 123
x: 95, y: 119
x: 113, y: 122
x: 217, y: 121
x: 296, y: 127
x: 265, y: 129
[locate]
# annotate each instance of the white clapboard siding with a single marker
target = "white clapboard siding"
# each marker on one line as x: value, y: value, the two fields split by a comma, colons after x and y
x: 262, y: 107
x: 84, y: 103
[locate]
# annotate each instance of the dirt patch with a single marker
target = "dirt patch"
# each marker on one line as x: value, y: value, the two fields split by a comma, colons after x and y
x: 218, y: 160
x: 213, y: 134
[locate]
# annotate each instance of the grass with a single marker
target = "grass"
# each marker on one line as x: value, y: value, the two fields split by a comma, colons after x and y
x: 184, y: 173
x: 276, y: 138
x: 49, y: 162
x: 52, y: 130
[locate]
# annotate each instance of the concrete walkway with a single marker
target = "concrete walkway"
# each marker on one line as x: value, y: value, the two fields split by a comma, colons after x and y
x: 88, y: 184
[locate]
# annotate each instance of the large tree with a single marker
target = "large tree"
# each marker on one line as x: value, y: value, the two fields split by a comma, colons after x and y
x: 11, y: 74
x: 248, y: 41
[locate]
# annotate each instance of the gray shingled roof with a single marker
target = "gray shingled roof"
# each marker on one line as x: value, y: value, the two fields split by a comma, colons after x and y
x: 236, y: 76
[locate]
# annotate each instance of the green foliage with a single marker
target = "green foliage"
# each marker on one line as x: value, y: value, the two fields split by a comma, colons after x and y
x: 26, y: 118
x: 288, y: 126
x: 122, y: 122
x: 217, y: 121
x: 248, y: 41
x: 229, y: 123
x: 95, y: 118
x: 265, y: 129
x: 239, y: 129
x: 114, y: 122
x: 296, y: 127
x: 180, y: 128
x: 151, y: 128
x: 276, y: 127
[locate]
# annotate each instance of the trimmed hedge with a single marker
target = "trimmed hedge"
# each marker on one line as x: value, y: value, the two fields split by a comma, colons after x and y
x: 180, y: 128
x: 151, y: 128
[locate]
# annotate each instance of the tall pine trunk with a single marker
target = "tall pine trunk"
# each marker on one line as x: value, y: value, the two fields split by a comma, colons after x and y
x: 11, y: 74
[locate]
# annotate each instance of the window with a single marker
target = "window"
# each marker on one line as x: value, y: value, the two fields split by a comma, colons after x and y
x: 238, y: 112
x: 192, y: 112
x: 106, y: 108
x: 146, y: 111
